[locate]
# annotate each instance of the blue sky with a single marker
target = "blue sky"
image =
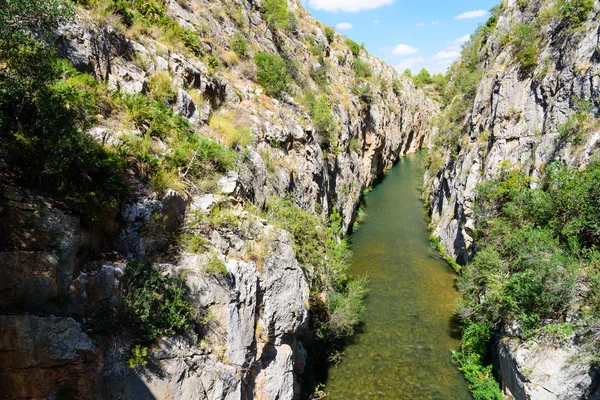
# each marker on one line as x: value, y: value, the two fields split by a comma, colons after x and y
x: 406, y: 33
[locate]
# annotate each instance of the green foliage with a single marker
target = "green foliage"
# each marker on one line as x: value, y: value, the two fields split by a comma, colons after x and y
x: 319, y: 74
x: 239, y: 44
x: 329, y: 34
x: 355, y: 146
x: 152, y: 13
x: 573, y: 129
x: 397, y: 87
x: 154, y: 305
x: 150, y: 116
x: 440, y: 82
x: 275, y: 12
x: 364, y: 93
x: 423, y: 78
x: 15, y: 15
x: 470, y: 361
x: 315, y: 48
x: 436, y: 244
x: 407, y: 72
x: 194, y: 243
x: 559, y: 331
x: 522, y: 4
x: 362, y: 68
x: 272, y: 73
x: 215, y: 266
x: 321, y: 250
x: 161, y: 87
x: 526, y: 43
x: 535, y: 244
x: 576, y: 12
x: 318, y: 247
x: 322, y: 118
x: 139, y: 357
x: 45, y: 108
x: 191, y: 153
x: 354, y: 47
x: 346, y: 307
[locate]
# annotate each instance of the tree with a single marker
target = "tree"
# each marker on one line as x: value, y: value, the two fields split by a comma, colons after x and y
x: 45, y: 109
x: 423, y: 78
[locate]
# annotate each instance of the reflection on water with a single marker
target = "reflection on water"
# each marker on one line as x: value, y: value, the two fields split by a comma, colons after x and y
x: 404, y: 349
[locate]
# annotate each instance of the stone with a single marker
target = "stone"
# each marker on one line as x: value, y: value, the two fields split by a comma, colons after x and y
x: 39, y: 354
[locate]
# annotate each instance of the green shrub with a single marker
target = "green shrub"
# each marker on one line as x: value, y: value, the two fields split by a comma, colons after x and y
x: 315, y: 48
x: 239, y: 44
x: 275, y: 12
x: 522, y: 4
x: 559, y: 331
x: 355, y: 146
x: 45, y: 109
x: 153, y: 305
x: 475, y: 344
x: 534, y: 245
x: 319, y: 75
x: 354, y: 47
x: 214, y: 64
x: 151, y: 116
x: 397, y: 87
x: 329, y: 34
x: 526, y: 43
x: 345, y: 308
x: 364, y: 93
x: 423, y: 78
x: 576, y: 12
x: 194, y: 243
x: 573, y: 128
x: 322, y: 118
x: 362, y: 68
x: 149, y: 13
x: 215, y: 266
x: 272, y: 73
x: 161, y: 87
x: 139, y: 357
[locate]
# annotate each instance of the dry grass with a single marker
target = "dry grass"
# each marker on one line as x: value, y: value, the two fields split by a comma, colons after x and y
x: 229, y: 58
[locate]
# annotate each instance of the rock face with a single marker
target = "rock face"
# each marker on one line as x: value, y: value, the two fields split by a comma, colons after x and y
x: 255, y: 315
x: 44, y: 355
x: 533, y: 371
x: 516, y: 119
x: 521, y: 116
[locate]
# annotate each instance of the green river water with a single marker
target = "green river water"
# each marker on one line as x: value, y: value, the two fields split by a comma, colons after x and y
x: 403, y: 351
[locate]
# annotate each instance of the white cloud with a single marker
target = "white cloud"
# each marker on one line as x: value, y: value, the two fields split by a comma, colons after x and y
x: 343, y: 26
x: 347, y: 5
x: 419, y: 24
x: 409, y: 63
x: 436, y: 22
x: 447, y: 55
x: 462, y: 39
x: 472, y: 14
x: 376, y: 21
x: 404, y: 50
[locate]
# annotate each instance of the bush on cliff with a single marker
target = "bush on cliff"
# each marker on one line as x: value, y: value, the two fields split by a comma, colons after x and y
x: 272, y: 73
x: 323, y: 252
x: 535, y: 245
x: 45, y: 109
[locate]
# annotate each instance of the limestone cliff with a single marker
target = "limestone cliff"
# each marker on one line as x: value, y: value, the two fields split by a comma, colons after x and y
x: 520, y: 118
x: 54, y: 271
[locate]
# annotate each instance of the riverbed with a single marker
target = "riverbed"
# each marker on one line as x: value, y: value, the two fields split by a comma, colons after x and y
x: 404, y: 348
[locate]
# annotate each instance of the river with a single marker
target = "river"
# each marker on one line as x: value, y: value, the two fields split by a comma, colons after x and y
x: 403, y: 349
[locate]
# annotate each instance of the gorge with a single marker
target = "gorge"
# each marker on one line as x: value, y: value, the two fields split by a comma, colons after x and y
x: 178, y: 180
